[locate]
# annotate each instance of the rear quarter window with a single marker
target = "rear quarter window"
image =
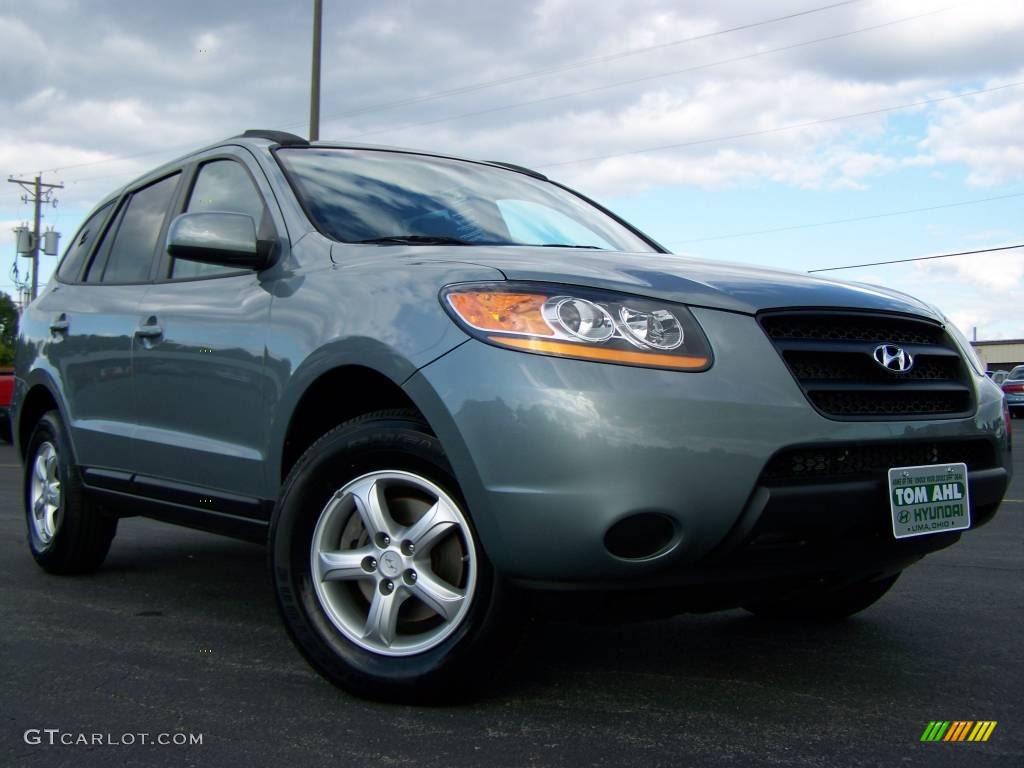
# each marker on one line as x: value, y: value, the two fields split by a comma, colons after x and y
x: 71, y: 265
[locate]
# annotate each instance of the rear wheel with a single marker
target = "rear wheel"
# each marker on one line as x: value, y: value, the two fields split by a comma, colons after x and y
x: 67, y: 534
x: 379, y: 576
x: 825, y: 604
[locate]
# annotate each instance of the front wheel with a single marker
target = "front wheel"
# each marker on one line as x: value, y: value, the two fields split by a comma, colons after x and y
x: 825, y: 605
x: 379, y: 576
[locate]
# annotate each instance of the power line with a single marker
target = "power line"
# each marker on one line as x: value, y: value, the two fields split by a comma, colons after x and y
x: 887, y: 214
x: 105, y: 176
x: 121, y: 158
x: 632, y: 81
x: 646, y: 78
x: 501, y: 81
x: 792, y: 126
x: 575, y: 64
x: 920, y: 258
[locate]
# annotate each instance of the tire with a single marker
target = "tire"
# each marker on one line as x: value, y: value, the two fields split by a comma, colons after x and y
x: 66, y: 534
x: 826, y: 605
x: 424, y: 643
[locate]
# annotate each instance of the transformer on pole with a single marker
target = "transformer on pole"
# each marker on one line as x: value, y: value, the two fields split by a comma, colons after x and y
x: 37, y: 193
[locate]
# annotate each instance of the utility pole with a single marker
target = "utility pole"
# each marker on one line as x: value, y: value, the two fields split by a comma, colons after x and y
x: 37, y: 193
x: 314, y: 85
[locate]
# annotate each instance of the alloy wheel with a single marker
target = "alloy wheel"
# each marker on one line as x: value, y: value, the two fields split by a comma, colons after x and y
x: 45, y: 493
x: 393, y: 563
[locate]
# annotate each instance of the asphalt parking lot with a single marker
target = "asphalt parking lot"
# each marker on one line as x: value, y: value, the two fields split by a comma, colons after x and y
x: 179, y: 633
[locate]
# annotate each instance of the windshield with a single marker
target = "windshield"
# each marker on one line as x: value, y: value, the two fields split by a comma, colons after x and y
x: 1017, y: 373
x: 366, y: 195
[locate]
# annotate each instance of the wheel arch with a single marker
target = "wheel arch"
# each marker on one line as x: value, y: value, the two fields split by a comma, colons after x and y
x: 334, y: 396
x: 41, y: 395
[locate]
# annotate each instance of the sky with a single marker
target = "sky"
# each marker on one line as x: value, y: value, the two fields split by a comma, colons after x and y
x: 799, y: 134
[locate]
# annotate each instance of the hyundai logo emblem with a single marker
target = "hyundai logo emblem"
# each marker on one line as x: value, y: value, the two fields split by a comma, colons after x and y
x: 893, y: 358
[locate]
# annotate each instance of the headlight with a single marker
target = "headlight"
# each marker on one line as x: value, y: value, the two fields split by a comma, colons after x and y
x: 581, y: 323
x: 659, y: 329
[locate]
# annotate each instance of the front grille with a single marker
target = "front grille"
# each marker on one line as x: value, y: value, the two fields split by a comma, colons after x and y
x: 831, y: 355
x: 859, y: 462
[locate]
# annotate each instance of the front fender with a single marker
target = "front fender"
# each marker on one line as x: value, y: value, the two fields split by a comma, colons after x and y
x: 381, y: 314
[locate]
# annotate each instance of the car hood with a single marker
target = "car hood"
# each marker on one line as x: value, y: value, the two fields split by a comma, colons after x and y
x: 720, y: 285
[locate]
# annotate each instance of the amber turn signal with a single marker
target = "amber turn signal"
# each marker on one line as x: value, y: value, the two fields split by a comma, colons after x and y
x: 504, y: 312
x: 607, y: 355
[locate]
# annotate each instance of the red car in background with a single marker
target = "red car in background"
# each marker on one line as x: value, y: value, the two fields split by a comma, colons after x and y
x: 6, y: 389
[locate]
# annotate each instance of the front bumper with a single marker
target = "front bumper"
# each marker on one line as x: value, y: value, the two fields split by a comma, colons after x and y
x: 550, y: 453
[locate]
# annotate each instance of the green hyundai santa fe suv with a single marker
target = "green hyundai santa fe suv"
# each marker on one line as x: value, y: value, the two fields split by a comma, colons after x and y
x: 434, y: 386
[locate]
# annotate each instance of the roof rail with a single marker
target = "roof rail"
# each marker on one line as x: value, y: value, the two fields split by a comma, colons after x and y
x: 520, y: 169
x: 283, y: 138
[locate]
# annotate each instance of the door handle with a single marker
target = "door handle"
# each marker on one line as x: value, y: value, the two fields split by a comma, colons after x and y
x: 60, y: 324
x: 150, y: 329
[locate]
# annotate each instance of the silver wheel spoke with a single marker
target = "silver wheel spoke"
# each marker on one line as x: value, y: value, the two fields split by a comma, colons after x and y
x: 371, y: 505
x: 435, y: 523
x: 44, y: 492
x: 344, y: 565
x: 382, y: 620
x: 51, y: 466
x: 442, y: 599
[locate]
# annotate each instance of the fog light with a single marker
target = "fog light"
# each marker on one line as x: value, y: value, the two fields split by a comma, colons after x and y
x: 641, y: 536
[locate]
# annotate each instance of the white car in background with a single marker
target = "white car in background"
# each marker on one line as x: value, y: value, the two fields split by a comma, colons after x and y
x: 1013, y: 387
x: 998, y: 376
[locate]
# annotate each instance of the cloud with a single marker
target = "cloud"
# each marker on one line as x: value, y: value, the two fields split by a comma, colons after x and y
x: 982, y: 133
x: 961, y: 41
x: 119, y: 87
x: 131, y: 78
x: 1001, y: 272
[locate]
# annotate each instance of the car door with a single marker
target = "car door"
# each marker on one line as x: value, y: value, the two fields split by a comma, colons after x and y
x: 92, y: 313
x: 199, y: 364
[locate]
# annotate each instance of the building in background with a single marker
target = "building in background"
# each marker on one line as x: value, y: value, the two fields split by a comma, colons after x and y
x: 1001, y: 355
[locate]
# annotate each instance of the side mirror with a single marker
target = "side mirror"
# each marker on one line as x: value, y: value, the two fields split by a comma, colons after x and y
x: 225, y: 239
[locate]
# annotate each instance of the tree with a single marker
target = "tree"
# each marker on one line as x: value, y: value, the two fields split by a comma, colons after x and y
x: 8, y: 329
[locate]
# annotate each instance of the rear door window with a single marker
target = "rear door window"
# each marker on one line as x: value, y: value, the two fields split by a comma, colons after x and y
x: 131, y: 253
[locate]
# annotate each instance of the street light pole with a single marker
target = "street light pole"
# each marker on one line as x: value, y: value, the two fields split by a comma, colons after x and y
x: 314, y: 85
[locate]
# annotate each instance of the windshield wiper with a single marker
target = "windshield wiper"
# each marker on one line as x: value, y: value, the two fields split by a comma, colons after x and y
x: 417, y: 240
x: 445, y: 240
x: 566, y: 245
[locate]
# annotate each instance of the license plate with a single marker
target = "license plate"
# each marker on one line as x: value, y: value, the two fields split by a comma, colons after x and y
x: 929, y: 499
